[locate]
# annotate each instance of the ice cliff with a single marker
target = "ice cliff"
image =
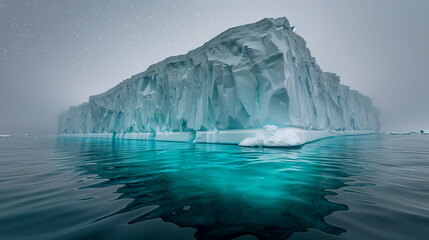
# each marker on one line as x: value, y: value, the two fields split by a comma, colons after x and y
x: 244, y: 78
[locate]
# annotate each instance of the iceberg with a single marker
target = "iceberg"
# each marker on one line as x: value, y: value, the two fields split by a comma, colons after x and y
x: 5, y: 136
x: 400, y: 133
x: 226, y: 91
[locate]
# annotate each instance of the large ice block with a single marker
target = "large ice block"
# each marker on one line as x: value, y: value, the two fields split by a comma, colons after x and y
x: 245, y: 78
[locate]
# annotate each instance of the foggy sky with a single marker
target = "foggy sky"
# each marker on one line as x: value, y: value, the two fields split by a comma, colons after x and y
x: 54, y: 54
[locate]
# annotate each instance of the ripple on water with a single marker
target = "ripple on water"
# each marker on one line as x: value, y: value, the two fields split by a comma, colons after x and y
x: 371, y: 187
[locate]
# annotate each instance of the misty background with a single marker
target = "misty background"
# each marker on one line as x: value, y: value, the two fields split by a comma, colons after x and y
x: 54, y: 54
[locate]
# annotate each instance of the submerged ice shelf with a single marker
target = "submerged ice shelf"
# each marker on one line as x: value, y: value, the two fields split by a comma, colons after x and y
x: 226, y: 91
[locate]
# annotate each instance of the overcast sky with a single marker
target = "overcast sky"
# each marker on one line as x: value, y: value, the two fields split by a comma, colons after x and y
x: 54, y: 54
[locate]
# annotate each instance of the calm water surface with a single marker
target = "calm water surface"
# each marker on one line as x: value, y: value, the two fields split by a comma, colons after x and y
x: 356, y: 187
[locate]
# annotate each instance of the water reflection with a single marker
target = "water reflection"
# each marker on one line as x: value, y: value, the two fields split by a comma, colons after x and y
x: 222, y: 191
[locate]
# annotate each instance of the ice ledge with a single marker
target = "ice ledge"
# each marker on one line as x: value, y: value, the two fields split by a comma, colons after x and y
x: 273, y: 136
x: 269, y: 136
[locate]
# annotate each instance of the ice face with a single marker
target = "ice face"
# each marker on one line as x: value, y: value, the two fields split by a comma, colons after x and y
x: 246, y: 77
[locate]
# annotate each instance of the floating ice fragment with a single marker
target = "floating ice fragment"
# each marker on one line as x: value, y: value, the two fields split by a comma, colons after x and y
x: 272, y: 136
x: 186, y: 208
x: 400, y: 133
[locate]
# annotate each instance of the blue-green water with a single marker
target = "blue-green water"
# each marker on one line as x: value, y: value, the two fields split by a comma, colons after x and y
x: 356, y: 187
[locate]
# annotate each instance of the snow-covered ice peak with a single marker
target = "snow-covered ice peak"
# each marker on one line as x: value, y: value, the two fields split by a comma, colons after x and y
x: 245, y: 78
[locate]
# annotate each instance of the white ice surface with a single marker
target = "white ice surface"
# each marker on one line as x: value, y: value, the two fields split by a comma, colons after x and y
x: 400, y: 133
x: 273, y: 136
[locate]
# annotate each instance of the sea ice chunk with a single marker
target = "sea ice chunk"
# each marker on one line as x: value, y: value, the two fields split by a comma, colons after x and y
x: 400, y: 133
x: 273, y: 136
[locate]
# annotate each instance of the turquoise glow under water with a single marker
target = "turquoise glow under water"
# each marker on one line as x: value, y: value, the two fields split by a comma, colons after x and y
x: 356, y: 187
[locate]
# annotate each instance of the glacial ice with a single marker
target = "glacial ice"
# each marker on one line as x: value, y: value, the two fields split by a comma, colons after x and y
x: 226, y: 91
x: 400, y: 133
x: 272, y: 136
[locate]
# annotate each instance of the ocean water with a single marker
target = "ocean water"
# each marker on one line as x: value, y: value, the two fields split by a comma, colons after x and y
x: 354, y: 187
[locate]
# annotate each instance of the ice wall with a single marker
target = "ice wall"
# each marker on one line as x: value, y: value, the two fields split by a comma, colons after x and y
x: 246, y: 77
